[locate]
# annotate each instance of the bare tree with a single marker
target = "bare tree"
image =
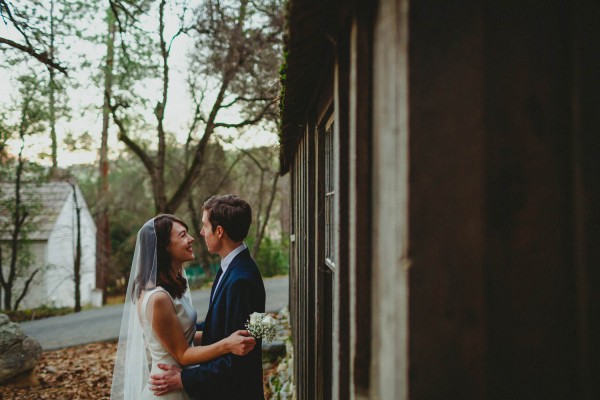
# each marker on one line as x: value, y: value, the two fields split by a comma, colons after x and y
x: 238, y: 47
x: 32, y: 115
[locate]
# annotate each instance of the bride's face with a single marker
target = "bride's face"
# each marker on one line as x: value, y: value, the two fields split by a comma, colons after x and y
x: 180, y: 247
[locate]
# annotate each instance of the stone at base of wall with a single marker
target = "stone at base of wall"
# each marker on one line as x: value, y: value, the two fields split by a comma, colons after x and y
x: 274, y: 350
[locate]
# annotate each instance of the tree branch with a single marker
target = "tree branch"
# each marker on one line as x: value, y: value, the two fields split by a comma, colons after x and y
x: 179, y: 32
x: 239, y: 124
x: 251, y: 121
x: 198, y: 117
x: 4, y: 6
x: 25, y: 289
x: 41, y: 57
x: 113, y: 6
x: 224, y: 178
x: 254, y: 159
x: 117, y: 6
x: 146, y: 160
x: 248, y: 100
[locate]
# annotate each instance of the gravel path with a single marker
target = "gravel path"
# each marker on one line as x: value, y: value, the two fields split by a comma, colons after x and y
x: 102, y: 324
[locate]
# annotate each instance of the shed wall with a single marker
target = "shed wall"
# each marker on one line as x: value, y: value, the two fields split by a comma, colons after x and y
x: 59, y: 277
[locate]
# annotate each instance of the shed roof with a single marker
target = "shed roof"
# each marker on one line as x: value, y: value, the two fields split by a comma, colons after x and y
x: 46, y: 201
x: 309, y: 43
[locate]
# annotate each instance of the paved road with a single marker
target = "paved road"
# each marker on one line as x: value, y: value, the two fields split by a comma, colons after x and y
x: 103, y: 324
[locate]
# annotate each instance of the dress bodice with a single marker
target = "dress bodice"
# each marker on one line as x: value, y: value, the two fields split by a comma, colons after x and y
x: 186, y: 314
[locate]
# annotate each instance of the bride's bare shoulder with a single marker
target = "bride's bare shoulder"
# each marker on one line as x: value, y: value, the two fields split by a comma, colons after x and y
x: 159, y: 297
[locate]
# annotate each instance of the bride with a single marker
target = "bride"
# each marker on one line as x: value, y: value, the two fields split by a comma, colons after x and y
x: 159, y: 321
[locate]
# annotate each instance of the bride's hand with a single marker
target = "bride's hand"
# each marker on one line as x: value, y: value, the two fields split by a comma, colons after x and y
x: 240, y: 343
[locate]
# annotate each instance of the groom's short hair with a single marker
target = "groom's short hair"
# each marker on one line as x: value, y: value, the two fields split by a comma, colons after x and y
x: 232, y: 213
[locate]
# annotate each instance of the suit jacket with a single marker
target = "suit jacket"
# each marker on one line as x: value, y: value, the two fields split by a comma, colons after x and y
x: 240, y: 293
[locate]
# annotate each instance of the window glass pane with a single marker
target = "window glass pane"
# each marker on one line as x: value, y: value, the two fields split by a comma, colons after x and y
x: 329, y: 197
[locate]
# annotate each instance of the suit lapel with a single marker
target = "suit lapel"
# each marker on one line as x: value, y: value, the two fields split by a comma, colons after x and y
x: 226, y: 275
x: 215, y: 283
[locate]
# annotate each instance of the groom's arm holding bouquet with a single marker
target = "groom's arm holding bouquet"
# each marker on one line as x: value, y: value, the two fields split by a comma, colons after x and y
x: 228, y: 371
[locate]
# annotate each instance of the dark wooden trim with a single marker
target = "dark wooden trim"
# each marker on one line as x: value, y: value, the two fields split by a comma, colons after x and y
x: 324, y: 276
x: 311, y: 321
x: 342, y: 113
x: 586, y: 169
x: 362, y: 247
x: 294, y: 248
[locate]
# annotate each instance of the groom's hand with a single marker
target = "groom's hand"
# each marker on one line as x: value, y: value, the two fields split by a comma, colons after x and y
x: 164, y: 383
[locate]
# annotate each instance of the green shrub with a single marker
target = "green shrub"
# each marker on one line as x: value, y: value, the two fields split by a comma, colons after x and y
x: 273, y: 258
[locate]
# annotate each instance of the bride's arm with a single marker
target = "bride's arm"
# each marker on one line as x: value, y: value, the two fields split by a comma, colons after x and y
x: 168, y: 329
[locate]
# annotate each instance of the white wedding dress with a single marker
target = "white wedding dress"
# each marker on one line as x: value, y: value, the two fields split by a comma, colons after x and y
x: 157, y: 353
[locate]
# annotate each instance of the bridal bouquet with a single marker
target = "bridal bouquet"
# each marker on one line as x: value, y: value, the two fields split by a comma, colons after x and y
x: 262, y: 326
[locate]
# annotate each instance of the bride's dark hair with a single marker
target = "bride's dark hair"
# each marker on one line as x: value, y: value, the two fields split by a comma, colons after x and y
x: 172, y: 282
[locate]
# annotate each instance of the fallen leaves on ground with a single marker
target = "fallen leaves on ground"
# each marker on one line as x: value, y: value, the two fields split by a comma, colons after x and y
x: 78, y: 373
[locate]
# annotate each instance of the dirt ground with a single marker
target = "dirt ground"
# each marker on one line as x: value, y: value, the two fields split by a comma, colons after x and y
x: 77, y: 373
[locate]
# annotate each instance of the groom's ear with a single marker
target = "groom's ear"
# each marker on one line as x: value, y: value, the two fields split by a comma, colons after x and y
x: 220, y: 231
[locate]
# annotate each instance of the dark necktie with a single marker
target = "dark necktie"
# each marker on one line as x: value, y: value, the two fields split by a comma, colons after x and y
x: 215, y: 283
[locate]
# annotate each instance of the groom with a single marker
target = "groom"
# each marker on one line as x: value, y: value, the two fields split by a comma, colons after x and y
x: 237, y: 292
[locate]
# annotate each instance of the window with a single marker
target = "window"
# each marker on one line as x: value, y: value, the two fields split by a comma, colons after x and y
x: 329, y: 197
x: 328, y: 257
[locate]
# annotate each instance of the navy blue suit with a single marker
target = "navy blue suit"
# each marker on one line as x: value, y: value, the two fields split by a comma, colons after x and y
x: 240, y: 293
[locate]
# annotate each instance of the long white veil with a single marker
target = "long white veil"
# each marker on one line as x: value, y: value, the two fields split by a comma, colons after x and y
x: 131, y: 371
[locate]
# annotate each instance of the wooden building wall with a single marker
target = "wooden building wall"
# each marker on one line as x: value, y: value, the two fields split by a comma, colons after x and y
x: 467, y: 203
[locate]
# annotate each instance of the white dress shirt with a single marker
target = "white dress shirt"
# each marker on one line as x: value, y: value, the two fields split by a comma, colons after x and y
x: 225, y: 261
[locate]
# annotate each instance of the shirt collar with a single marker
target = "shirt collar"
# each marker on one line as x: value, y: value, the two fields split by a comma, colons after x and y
x: 229, y: 257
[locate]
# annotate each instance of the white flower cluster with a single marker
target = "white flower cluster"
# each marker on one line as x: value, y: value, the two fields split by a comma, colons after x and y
x: 262, y: 326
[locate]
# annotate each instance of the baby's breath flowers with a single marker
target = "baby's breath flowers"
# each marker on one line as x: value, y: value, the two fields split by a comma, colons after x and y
x: 262, y: 326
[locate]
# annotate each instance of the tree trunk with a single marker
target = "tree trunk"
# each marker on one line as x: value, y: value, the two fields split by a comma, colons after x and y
x: 103, y: 244
x: 259, y: 211
x: 51, y: 94
x: 78, y: 263
x: 159, y: 111
x: 77, y: 258
x: 261, y: 234
x: 202, y: 254
x: 8, y: 297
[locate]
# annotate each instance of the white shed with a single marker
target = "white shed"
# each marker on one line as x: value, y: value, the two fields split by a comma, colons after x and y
x: 52, y: 241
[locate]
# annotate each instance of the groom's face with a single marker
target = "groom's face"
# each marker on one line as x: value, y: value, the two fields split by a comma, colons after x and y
x: 213, y: 242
